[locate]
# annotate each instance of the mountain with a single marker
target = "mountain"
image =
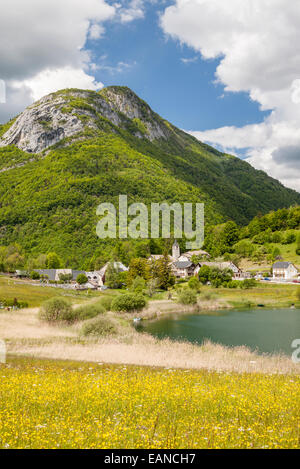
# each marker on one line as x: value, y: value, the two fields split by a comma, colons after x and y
x: 74, y: 149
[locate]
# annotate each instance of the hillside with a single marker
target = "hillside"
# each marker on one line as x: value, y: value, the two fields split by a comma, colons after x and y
x: 74, y: 149
x: 255, y: 247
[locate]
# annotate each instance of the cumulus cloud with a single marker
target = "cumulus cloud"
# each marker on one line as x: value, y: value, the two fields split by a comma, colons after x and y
x: 289, y: 154
x: 133, y: 10
x: 258, y: 43
x: 49, y: 81
x: 42, y: 46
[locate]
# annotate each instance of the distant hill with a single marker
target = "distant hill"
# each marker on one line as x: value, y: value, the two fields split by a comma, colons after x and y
x: 74, y: 149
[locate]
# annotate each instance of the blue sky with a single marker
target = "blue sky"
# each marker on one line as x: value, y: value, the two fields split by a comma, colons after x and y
x: 184, y: 92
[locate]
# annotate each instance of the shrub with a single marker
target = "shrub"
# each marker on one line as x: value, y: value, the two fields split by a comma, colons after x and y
x: 106, y: 302
x: 233, y: 284
x: 57, y: 310
x: 248, y: 283
x: 17, y: 303
x: 194, y: 284
x: 187, y: 296
x: 128, y: 302
x: 208, y: 295
x: 138, y: 285
x: 88, y: 311
x: 82, y: 279
x: 35, y: 275
x: 98, y: 327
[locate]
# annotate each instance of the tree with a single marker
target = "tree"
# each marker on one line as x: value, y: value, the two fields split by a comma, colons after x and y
x: 194, y: 284
x: 138, y: 267
x: 152, y: 286
x: 290, y: 238
x: 230, y: 233
x: 298, y: 245
x: 138, y: 285
x: 276, y: 253
x: 112, y: 276
x: 65, y: 278
x: 53, y: 261
x: 82, y: 279
x: 204, y: 274
x: 162, y: 271
x: 35, y: 275
x: 244, y: 248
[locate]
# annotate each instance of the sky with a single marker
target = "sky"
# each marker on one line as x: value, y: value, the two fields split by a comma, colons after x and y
x: 226, y: 71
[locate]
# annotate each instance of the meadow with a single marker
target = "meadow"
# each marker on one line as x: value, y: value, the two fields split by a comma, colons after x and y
x: 53, y: 404
x: 35, y: 295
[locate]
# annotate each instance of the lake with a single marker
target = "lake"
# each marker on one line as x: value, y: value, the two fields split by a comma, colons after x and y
x: 263, y: 330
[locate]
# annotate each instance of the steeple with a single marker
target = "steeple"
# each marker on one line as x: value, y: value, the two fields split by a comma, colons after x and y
x: 176, y: 250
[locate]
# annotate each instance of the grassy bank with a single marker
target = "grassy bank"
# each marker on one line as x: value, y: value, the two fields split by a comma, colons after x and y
x: 46, y: 404
x: 268, y: 294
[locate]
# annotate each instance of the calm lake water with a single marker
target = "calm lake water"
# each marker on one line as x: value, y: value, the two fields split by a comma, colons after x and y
x: 264, y: 330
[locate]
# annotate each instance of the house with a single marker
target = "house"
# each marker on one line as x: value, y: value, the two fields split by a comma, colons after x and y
x: 183, y: 269
x: 116, y: 265
x: 95, y: 278
x: 181, y: 265
x: 285, y: 270
x: 237, y: 273
x: 187, y: 256
x: 54, y: 275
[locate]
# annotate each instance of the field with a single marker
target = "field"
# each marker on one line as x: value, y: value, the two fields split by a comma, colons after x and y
x: 47, y: 404
x: 287, y: 252
x: 35, y: 295
x: 272, y: 295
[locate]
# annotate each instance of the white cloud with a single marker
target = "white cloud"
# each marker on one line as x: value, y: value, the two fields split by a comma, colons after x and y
x: 96, y: 31
x: 134, y: 10
x: 189, y: 60
x: 258, y: 43
x: 42, y: 46
x: 49, y: 81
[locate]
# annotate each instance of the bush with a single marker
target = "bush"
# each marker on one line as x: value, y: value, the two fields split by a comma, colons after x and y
x: 128, y: 302
x: 82, y: 279
x: 248, y: 283
x: 106, y: 302
x: 233, y: 284
x: 98, y: 327
x: 17, y: 303
x: 138, y: 285
x: 187, y: 296
x: 35, y: 275
x: 194, y: 284
x: 57, y: 310
x: 88, y: 311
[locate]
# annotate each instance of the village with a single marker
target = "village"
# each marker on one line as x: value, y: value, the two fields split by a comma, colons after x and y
x: 183, y: 266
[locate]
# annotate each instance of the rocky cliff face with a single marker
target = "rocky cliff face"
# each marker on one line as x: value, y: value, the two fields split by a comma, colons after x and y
x: 70, y: 112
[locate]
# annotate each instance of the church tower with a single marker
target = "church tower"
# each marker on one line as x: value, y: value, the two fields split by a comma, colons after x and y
x: 175, y: 250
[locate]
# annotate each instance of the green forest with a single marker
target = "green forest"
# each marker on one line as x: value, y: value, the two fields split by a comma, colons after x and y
x: 48, y: 200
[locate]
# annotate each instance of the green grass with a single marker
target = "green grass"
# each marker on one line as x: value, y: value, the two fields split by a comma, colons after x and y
x: 36, y: 295
x: 268, y: 294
